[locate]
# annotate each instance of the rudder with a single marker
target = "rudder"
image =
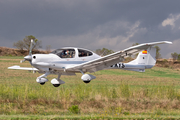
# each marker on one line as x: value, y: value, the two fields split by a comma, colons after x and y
x: 146, y: 57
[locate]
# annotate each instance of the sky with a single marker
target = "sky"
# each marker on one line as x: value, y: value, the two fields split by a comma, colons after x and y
x: 92, y: 24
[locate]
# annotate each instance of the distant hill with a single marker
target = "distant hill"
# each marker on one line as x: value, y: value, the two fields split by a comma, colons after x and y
x: 4, y: 51
x: 168, y: 63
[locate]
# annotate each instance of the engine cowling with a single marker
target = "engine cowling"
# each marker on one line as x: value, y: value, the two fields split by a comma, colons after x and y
x: 87, y: 78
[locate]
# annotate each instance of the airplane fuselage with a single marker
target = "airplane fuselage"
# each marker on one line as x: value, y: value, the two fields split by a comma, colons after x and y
x: 54, y: 61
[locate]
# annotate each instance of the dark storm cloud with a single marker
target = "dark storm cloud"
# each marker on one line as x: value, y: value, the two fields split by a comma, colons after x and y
x: 51, y: 17
x: 114, y: 24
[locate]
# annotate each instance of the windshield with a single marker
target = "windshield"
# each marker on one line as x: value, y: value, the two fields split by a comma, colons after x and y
x: 64, y: 53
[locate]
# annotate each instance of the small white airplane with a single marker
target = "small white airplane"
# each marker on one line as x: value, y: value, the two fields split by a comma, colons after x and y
x: 70, y: 60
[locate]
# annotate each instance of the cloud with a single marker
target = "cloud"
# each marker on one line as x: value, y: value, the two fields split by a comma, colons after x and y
x: 90, y: 24
x: 172, y: 20
x: 175, y: 47
x: 113, y: 35
x: 171, y: 48
x: 169, y: 30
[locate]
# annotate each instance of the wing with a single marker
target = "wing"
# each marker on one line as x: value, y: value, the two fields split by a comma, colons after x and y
x: 106, y: 61
x: 22, y: 68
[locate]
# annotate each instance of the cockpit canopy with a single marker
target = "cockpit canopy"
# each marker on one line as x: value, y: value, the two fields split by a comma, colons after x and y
x: 70, y: 53
x: 64, y: 53
x: 84, y: 53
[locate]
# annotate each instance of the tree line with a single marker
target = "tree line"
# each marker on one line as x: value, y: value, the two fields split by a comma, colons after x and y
x: 175, y: 56
x: 25, y: 45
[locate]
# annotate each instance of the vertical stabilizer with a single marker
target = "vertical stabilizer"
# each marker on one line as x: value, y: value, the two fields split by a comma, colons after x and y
x: 152, y: 56
x: 146, y: 57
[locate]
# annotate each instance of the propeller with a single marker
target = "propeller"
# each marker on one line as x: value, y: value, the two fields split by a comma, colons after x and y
x: 28, y: 57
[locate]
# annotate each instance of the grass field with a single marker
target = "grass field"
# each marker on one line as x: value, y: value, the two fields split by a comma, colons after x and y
x: 113, y: 94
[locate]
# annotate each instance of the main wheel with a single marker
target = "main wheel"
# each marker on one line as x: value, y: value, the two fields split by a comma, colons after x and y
x: 56, y: 85
x: 42, y: 83
x: 86, y: 81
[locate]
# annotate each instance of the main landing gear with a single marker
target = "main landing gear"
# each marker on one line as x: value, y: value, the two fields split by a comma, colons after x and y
x: 56, y: 82
x: 42, y: 83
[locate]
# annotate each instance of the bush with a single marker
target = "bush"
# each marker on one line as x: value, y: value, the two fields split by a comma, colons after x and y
x: 165, y: 60
x: 74, y: 109
x: 125, y: 92
x: 166, y: 65
x: 171, y: 93
x: 114, y: 93
x: 126, y: 113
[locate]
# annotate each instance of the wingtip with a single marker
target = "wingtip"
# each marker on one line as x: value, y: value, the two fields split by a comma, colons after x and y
x: 15, y: 66
x: 168, y: 42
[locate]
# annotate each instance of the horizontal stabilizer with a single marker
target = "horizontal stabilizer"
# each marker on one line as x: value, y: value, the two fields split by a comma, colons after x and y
x: 16, y: 67
x: 137, y: 70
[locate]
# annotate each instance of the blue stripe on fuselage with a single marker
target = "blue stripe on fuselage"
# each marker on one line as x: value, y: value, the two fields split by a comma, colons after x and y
x: 70, y: 62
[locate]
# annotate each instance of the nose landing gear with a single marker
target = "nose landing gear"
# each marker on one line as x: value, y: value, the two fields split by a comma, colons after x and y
x: 41, y: 79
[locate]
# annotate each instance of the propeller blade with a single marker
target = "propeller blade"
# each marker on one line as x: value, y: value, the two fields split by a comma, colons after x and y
x: 22, y: 61
x: 31, y: 46
x: 28, y: 57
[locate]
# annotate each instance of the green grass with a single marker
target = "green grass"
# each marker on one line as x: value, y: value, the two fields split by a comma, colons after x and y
x: 157, y: 72
x: 85, y: 117
x: 11, y: 57
x: 113, y: 94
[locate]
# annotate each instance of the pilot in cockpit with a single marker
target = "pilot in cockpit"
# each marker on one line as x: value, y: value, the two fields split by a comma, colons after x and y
x: 63, y: 54
x: 67, y: 54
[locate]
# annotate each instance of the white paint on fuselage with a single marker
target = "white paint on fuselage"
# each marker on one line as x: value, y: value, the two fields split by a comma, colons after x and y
x: 53, y: 61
